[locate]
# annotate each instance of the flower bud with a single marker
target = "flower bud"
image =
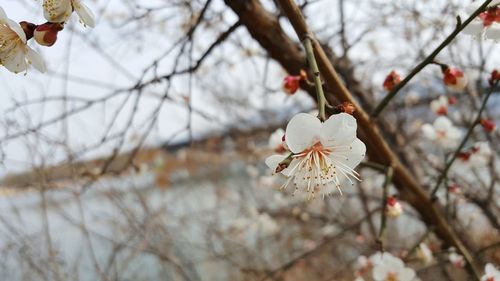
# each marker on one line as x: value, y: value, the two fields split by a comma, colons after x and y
x: 347, y: 107
x: 495, y: 77
x: 488, y: 125
x: 46, y: 34
x: 291, y: 84
x: 491, y: 16
x: 391, y: 81
x: 454, y: 79
x: 456, y: 260
x: 28, y: 29
x: 454, y: 188
x: 452, y: 100
x: 393, y: 208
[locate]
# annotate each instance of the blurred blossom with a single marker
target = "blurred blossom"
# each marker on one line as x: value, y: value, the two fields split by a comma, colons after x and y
x: 491, y: 273
x: 456, y: 260
x: 440, y: 105
x: 393, y: 208
x: 323, y: 153
x: 454, y: 79
x: 442, y: 132
x: 387, y: 267
x: 15, y: 54
x: 488, y: 125
x: 277, y: 141
x: 391, y: 80
x: 487, y: 24
x: 425, y: 254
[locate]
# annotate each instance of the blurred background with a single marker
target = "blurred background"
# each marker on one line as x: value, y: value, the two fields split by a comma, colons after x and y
x: 140, y: 154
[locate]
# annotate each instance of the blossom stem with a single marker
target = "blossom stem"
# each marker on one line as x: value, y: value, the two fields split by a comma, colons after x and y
x: 383, y: 217
x: 455, y: 154
x: 429, y: 59
x: 320, y: 95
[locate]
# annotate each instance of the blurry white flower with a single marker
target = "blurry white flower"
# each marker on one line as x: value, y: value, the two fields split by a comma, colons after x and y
x: 393, y: 208
x: 362, y: 265
x: 15, y: 54
x: 440, y: 106
x: 389, y: 268
x: 323, y: 154
x: 487, y: 24
x: 491, y: 273
x: 328, y: 230
x: 442, y: 132
x: 277, y: 141
x: 478, y: 156
x: 454, y: 79
x: 424, y: 254
x: 456, y: 260
x: 61, y: 10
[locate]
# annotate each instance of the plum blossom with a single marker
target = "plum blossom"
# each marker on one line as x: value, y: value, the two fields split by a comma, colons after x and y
x: 391, y: 81
x: 454, y: 79
x: 291, y: 83
x: 440, y: 106
x: 387, y: 267
x: 393, y: 208
x: 491, y: 273
x: 59, y: 11
x: 322, y: 153
x: 46, y: 34
x: 477, y: 156
x: 456, y: 260
x: 442, y: 132
x: 15, y: 54
x: 488, y: 125
x: 487, y: 25
x: 424, y: 253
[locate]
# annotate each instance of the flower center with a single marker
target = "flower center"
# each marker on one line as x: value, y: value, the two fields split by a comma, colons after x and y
x: 391, y: 276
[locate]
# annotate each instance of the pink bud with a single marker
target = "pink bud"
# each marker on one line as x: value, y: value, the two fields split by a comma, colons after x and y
x: 454, y: 79
x: 46, y: 34
x: 491, y: 16
x: 452, y: 100
x: 454, y: 188
x: 291, y: 84
x: 391, y: 81
x: 495, y: 77
x: 488, y: 125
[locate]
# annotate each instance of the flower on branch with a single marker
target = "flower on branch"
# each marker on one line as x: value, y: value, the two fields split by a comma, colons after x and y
x: 15, y: 54
x: 277, y: 141
x: 477, y: 156
x: 59, y: 11
x: 440, y: 105
x: 393, y: 208
x: 495, y: 77
x: 487, y: 24
x: 46, y: 34
x: 323, y: 154
x: 291, y: 83
x: 424, y: 253
x: 391, y: 81
x: 488, y: 125
x: 456, y: 260
x: 454, y: 79
x: 442, y: 132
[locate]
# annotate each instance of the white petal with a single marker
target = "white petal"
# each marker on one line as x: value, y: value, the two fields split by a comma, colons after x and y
x: 14, y: 26
x: 3, y: 15
x: 379, y: 273
x: 493, y: 32
x: 339, y: 129
x: 85, y: 14
x: 442, y: 123
x: 350, y: 156
x: 57, y: 10
x: 16, y: 61
x: 302, y: 132
x: 273, y: 161
x: 407, y: 274
x: 36, y: 60
x: 428, y: 131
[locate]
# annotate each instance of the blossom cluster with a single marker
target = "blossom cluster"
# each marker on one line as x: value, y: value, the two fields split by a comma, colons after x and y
x: 15, y: 53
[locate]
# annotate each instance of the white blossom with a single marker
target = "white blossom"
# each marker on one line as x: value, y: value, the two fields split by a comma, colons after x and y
x: 386, y: 267
x: 442, y: 132
x: 322, y: 153
x: 425, y: 254
x: 440, y: 106
x: 15, y: 54
x: 491, y: 273
x: 61, y: 10
x: 456, y: 260
x: 481, y: 27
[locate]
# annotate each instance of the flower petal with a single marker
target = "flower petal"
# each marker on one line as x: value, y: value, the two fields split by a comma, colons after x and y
x: 14, y: 26
x: 57, y: 10
x: 3, y: 15
x: 16, y: 60
x: 302, y: 131
x: 339, y: 129
x: 350, y: 155
x: 407, y: 274
x: 429, y: 131
x: 36, y: 60
x: 86, y: 15
x: 442, y: 123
